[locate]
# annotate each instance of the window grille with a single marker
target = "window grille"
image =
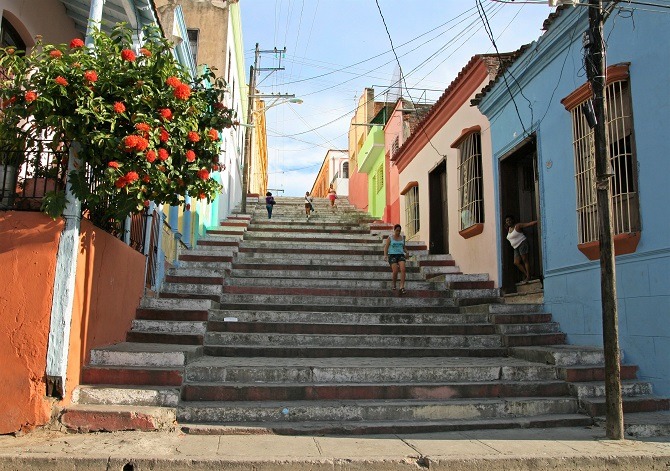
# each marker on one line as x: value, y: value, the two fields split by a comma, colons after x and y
x: 470, y: 186
x: 345, y: 170
x: 379, y: 178
x: 412, y: 211
x: 625, y: 203
x: 193, y: 35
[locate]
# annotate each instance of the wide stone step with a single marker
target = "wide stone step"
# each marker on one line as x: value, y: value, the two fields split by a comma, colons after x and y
x: 316, y: 317
x: 586, y: 373
x: 302, y: 256
x: 332, y: 340
x: 260, y: 240
x: 116, y: 418
x: 340, y: 283
x: 192, y: 288
x: 169, y: 327
x: 552, y: 338
x: 217, y: 266
x: 178, y: 304
x: 364, y: 370
x: 171, y: 315
x: 500, y: 309
x: 313, y: 273
x: 379, y: 267
x: 387, y: 427
x: 350, y: 329
x: 158, y: 396
x: 350, y: 298
x: 306, y: 391
x: 374, y: 410
x: 561, y: 355
x: 144, y: 354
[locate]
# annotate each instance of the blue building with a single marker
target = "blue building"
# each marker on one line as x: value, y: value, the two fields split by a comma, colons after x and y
x: 544, y: 159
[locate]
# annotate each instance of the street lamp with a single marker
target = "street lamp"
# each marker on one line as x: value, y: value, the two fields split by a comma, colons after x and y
x: 246, y: 156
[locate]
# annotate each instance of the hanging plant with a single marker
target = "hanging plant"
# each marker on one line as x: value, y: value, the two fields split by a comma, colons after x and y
x: 145, y: 130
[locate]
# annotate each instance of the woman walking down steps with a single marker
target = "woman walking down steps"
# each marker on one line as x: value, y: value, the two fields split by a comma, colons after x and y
x: 396, y: 251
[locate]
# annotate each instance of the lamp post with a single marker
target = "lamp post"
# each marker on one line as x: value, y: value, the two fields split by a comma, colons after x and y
x: 246, y: 156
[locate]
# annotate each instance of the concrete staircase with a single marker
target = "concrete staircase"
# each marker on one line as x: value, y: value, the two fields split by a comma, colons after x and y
x: 289, y: 326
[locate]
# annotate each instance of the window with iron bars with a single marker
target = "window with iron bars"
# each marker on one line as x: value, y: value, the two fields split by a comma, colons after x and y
x: 470, y: 185
x: 379, y: 178
x: 395, y: 146
x: 625, y: 202
x: 412, y: 211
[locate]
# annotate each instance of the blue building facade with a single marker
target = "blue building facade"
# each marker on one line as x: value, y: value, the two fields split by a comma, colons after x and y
x: 542, y: 157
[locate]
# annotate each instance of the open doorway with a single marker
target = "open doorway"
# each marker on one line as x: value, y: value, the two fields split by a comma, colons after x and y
x: 439, y: 222
x: 519, y: 196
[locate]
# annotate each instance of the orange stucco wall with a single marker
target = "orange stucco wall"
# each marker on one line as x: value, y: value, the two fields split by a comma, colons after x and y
x: 28, y: 243
x: 109, y: 284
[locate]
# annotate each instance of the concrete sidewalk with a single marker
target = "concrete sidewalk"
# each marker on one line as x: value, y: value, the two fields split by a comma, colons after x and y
x: 522, y: 449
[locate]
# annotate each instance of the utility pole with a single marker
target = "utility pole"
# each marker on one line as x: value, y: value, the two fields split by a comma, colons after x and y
x: 246, y: 156
x: 595, y: 69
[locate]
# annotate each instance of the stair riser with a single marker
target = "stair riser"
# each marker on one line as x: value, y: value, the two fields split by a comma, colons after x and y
x: 379, y: 268
x: 395, y: 309
x: 177, y: 339
x: 349, y: 329
x: 629, y: 406
x: 572, y: 358
x: 512, y: 329
x: 343, y: 374
x: 311, y: 273
x: 349, y: 392
x: 534, y: 340
x: 627, y: 389
x: 91, y: 375
x: 594, y: 373
x: 328, y: 352
x: 396, y: 428
x: 503, y: 319
x: 351, y: 412
x: 170, y: 315
x: 345, y: 318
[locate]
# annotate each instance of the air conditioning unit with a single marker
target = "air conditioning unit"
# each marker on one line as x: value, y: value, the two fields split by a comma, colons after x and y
x: 556, y: 3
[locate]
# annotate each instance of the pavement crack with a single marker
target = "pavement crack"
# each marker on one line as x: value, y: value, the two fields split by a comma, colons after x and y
x: 422, y: 461
x: 318, y: 447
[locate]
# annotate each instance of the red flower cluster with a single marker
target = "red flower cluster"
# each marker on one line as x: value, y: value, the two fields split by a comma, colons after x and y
x: 56, y: 54
x: 203, y: 174
x: 128, y: 178
x: 135, y: 143
x: 213, y: 134
x: 76, y: 42
x: 60, y: 80
x: 164, y: 136
x: 91, y: 76
x: 193, y: 136
x: 145, y: 52
x: 173, y: 81
x: 163, y: 155
x: 190, y: 156
x: 113, y: 164
x: 151, y: 156
x: 144, y: 127
x: 30, y: 96
x: 119, y: 107
x: 128, y: 55
x: 166, y: 114
x: 182, y: 91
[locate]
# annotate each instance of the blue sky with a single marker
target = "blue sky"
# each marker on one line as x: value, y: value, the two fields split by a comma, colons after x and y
x: 336, y: 48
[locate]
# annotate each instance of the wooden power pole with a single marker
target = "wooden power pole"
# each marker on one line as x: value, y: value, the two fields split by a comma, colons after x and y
x: 595, y: 67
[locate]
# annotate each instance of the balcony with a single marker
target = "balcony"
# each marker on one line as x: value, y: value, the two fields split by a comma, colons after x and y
x: 372, y: 149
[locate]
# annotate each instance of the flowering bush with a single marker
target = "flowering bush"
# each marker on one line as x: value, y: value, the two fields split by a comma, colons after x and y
x: 145, y: 130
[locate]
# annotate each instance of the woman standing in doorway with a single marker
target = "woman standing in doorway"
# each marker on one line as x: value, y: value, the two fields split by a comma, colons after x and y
x: 396, y: 252
x: 519, y: 243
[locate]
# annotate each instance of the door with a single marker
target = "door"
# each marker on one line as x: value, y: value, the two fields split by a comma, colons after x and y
x: 438, y: 214
x: 519, y: 197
